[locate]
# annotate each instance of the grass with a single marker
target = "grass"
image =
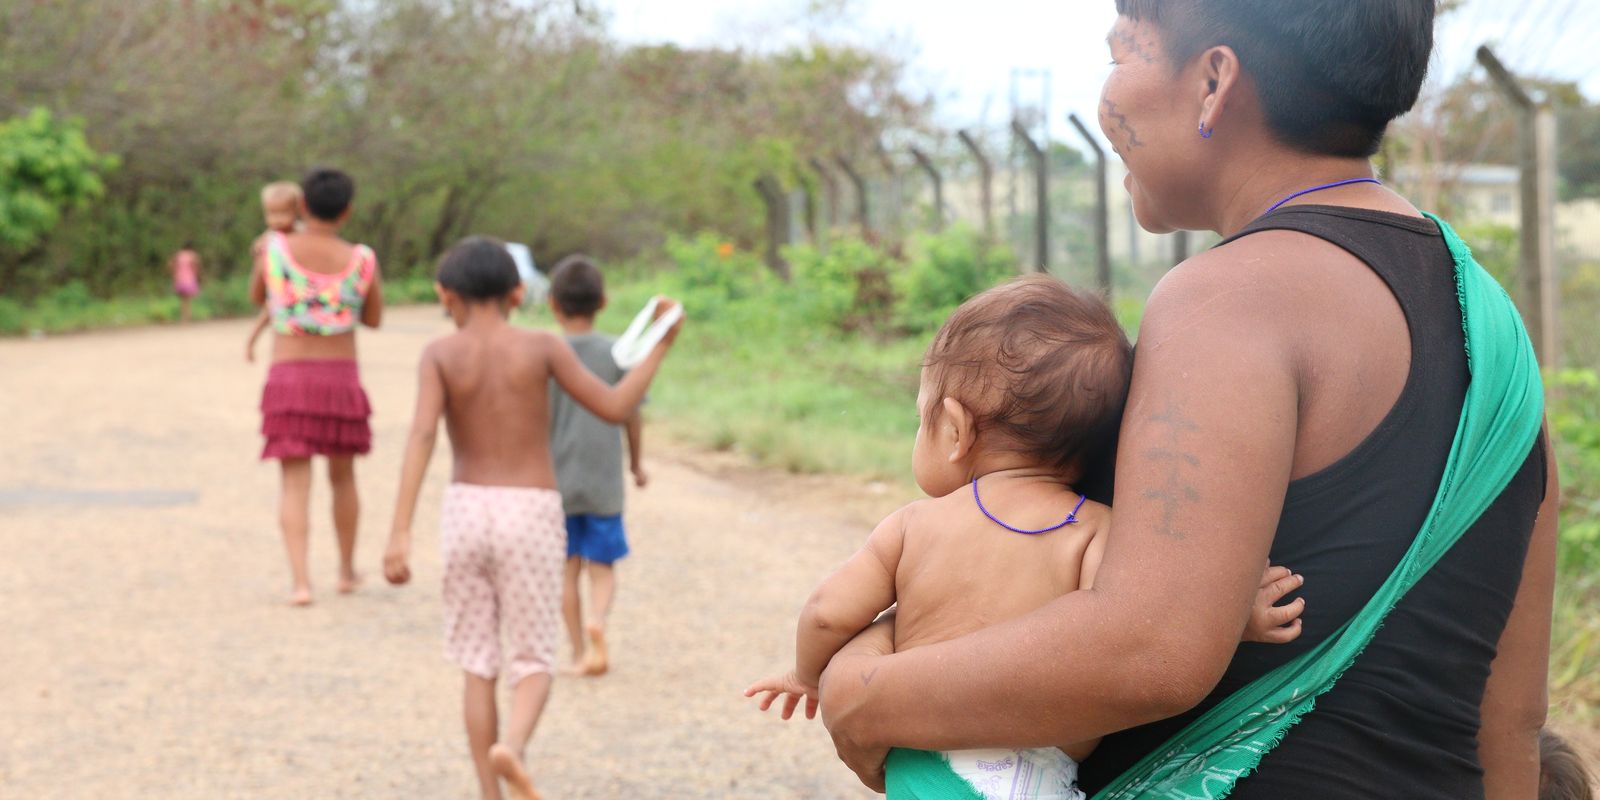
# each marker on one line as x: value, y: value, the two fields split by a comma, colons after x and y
x: 805, y: 402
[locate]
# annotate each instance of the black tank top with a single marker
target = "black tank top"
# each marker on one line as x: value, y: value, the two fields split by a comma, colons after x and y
x: 1403, y: 721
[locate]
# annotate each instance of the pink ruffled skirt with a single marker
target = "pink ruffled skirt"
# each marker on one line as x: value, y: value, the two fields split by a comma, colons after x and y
x: 315, y: 408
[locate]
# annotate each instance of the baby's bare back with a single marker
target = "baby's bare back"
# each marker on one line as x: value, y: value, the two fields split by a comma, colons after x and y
x: 960, y: 572
x: 497, y: 406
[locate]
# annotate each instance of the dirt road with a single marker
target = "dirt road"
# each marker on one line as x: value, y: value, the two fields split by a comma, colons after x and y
x: 145, y: 650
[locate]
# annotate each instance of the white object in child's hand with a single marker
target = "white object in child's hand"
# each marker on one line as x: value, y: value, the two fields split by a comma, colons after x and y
x: 537, y: 285
x: 642, y: 336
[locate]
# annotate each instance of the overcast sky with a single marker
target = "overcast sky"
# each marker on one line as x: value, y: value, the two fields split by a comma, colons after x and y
x: 966, y: 52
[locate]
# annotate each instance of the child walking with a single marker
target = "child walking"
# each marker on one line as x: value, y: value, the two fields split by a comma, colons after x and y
x: 1022, y: 393
x: 502, y: 530
x: 588, y: 455
x: 185, y: 270
x: 317, y: 287
x: 280, y: 207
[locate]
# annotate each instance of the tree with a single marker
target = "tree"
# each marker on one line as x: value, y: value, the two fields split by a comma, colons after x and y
x: 46, y: 168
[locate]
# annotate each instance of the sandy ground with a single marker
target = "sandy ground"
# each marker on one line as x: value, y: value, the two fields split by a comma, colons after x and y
x: 145, y: 651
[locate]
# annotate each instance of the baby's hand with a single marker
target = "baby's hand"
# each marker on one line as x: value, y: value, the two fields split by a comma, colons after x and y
x: 792, y: 690
x: 1270, y: 623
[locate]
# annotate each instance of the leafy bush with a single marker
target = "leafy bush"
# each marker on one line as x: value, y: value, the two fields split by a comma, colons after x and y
x: 46, y: 168
x: 843, y: 287
x: 944, y: 270
x: 1574, y: 413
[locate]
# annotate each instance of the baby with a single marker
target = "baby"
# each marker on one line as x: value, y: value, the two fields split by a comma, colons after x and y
x: 1022, y: 394
x: 280, y: 206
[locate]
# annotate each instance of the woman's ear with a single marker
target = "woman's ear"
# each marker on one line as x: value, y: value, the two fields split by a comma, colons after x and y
x: 957, y: 430
x: 1220, y: 75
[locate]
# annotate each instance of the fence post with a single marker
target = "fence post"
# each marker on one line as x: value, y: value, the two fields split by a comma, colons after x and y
x: 938, y: 185
x: 831, y: 186
x: 808, y: 186
x: 1539, y: 279
x: 1041, y: 181
x: 777, y: 223
x: 1102, y: 210
x: 863, y: 213
x: 985, y: 181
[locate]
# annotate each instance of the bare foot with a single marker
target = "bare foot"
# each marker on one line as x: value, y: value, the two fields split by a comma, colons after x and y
x: 598, y: 662
x: 349, y: 583
x: 577, y: 666
x: 510, y: 769
x: 300, y: 598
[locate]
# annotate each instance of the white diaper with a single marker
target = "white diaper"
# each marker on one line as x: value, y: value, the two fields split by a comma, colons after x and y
x: 1041, y: 774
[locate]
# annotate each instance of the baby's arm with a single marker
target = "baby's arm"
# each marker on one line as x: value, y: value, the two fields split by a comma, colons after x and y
x: 262, y: 320
x: 843, y: 605
x: 614, y: 404
x: 419, y: 451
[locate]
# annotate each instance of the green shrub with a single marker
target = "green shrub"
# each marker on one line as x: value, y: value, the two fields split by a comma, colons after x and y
x: 944, y: 270
x: 1574, y: 413
x: 845, y: 287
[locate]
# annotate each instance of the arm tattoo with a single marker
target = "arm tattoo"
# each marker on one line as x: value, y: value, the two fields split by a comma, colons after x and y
x: 1135, y: 47
x: 1175, y: 492
x: 1123, y: 125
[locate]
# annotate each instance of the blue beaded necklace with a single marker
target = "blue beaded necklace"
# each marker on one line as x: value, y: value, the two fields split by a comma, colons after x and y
x: 1070, y: 520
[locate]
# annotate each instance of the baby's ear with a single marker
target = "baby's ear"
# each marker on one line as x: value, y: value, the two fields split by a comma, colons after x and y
x: 957, y: 430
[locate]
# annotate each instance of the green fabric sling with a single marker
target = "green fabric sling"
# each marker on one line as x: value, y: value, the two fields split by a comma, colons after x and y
x: 1500, y: 418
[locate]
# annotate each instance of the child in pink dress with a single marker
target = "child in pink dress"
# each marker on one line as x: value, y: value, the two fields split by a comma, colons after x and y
x: 502, y: 529
x: 185, y: 269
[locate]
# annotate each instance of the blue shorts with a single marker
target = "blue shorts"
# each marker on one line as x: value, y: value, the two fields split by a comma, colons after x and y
x: 595, y: 538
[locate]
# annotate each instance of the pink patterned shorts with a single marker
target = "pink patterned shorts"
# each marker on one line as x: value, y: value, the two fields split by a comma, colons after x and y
x: 503, y: 554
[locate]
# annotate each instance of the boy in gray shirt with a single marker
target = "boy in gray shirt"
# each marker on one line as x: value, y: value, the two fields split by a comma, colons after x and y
x: 588, y: 459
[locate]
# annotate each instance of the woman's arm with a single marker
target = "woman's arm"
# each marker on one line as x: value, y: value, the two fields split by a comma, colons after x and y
x: 372, y: 309
x: 419, y: 451
x: 1205, y: 459
x: 614, y: 404
x: 1516, y: 698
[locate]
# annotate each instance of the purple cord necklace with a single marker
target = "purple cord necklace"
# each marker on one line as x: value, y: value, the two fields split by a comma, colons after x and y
x: 1071, y: 519
x: 1334, y: 185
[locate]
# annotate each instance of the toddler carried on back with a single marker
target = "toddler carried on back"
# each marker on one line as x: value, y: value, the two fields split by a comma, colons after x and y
x: 1021, y: 396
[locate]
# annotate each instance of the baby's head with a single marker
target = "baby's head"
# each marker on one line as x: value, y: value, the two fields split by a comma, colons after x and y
x: 477, y: 271
x: 577, y: 288
x: 1031, y: 374
x: 280, y: 205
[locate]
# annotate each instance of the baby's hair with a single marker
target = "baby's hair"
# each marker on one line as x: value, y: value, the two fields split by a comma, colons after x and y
x: 577, y: 286
x: 479, y: 268
x: 1044, y: 369
x: 1562, y: 774
x: 280, y: 192
x: 328, y: 193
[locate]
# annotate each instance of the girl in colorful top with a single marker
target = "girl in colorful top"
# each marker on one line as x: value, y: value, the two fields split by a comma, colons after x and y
x: 185, y: 270
x: 317, y: 287
x: 1001, y: 452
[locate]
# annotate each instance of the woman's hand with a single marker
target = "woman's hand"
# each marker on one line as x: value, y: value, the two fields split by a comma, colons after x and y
x: 844, y: 683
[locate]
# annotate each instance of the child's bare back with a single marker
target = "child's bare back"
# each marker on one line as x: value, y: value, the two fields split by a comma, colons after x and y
x: 960, y: 572
x: 496, y: 403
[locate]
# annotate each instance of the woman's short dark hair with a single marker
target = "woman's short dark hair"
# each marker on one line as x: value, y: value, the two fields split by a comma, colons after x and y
x: 479, y: 268
x: 1332, y: 74
x: 328, y: 193
x: 577, y: 286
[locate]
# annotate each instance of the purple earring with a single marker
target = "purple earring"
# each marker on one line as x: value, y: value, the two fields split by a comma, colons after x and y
x: 1205, y: 134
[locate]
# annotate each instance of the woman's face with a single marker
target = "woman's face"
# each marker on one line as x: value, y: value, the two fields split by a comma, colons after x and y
x: 1151, y: 113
